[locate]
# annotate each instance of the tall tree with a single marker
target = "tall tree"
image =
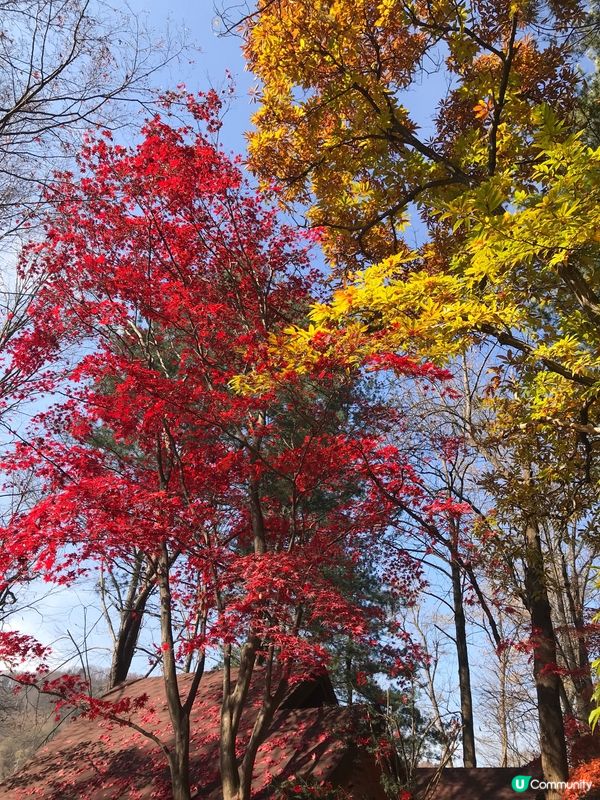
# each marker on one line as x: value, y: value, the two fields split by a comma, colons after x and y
x: 501, y: 186
x: 167, y: 278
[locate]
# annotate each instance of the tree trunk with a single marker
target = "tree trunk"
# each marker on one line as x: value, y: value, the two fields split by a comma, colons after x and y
x: 230, y: 780
x: 235, y: 780
x: 348, y: 674
x: 234, y: 701
x: 131, y: 615
x: 179, y: 763
x: 547, y: 682
x: 584, y: 684
x: 582, y: 680
x: 124, y: 650
x: 261, y: 726
x: 270, y: 704
x: 502, y: 707
x: 179, y: 756
x: 464, y: 672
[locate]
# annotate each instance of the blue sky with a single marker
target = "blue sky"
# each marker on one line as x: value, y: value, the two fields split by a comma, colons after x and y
x: 207, y: 65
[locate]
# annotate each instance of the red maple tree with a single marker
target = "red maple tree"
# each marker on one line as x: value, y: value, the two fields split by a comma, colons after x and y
x: 166, y: 278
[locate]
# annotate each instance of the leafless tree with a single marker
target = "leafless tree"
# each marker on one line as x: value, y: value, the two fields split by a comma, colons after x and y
x: 65, y: 66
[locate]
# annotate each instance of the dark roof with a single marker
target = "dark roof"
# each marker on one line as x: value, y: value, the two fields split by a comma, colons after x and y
x: 480, y: 783
x: 96, y: 760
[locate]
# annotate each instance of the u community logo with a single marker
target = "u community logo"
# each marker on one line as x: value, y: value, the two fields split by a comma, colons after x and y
x: 521, y: 783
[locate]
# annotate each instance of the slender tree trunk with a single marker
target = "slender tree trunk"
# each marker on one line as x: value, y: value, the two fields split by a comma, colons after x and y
x: 502, y: 719
x: 348, y: 674
x: 271, y: 702
x: 124, y: 650
x: 464, y: 672
x: 230, y: 779
x: 264, y: 719
x: 462, y: 653
x: 234, y: 780
x: 567, y: 607
x: 131, y: 614
x: 127, y: 639
x: 584, y: 685
x: 179, y: 756
x: 547, y: 682
x: 179, y: 763
x: 257, y: 518
x: 234, y: 700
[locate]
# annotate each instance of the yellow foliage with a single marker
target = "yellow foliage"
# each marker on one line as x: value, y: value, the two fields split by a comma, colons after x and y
x: 504, y: 284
